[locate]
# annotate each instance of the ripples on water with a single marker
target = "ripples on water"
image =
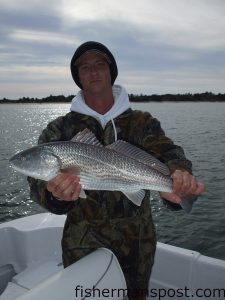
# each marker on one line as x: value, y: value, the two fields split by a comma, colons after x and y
x: 198, y: 127
x: 21, y: 126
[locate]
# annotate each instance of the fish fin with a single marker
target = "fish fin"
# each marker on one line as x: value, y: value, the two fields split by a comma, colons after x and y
x: 140, y: 155
x: 74, y: 170
x: 82, y: 194
x: 187, y: 203
x: 136, y: 197
x: 86, y: 136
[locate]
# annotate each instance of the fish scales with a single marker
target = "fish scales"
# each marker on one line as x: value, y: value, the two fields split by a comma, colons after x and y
x: 107, y: 168
x: 117, y: 167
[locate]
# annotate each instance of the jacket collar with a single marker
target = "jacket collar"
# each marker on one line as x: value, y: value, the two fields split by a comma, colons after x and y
x: 121, y: 104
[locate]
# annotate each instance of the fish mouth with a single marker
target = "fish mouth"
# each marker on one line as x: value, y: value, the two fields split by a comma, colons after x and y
x: 13, y: 165
x: 12, y: 162
x: 15, y: 161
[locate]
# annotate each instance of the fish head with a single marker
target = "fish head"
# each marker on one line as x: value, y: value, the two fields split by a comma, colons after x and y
x: 38, y: 162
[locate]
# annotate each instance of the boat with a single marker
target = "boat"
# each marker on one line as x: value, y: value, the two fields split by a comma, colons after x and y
x: 31, y: 268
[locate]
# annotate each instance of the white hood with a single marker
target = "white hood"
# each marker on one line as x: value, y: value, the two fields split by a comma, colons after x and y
x: 121, y: 104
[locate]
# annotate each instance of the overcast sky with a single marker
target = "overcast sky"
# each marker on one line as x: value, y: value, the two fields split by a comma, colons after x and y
x: 161, y: 46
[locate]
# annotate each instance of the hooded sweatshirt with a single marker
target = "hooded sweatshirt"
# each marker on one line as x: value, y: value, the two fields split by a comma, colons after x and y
x: 121, y: 104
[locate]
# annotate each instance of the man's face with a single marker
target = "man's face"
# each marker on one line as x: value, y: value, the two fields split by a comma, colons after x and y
x: 94, y: 73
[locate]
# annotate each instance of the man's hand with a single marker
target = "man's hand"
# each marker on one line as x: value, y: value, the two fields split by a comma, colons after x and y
x: 184, y: 185
x: 65, y: 186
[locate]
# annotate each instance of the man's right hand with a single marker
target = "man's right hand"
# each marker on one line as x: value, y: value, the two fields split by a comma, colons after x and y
x: 65, y: 187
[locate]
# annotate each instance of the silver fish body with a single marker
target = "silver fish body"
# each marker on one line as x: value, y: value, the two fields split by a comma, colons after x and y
x: 101, y: 168
x: 117, y: 167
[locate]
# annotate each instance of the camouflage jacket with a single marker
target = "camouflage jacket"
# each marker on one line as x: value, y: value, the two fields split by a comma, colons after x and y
x: 107, y: 218
x: 136, y: 127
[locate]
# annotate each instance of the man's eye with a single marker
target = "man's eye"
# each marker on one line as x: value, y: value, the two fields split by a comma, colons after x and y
x: 101, y: 64
x: 84, y: 67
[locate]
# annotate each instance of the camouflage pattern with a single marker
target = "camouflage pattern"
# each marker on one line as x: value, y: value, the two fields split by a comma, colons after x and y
x: 109, y: 219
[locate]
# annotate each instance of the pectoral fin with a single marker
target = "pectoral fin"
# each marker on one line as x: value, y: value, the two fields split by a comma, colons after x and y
x: 83, y: 194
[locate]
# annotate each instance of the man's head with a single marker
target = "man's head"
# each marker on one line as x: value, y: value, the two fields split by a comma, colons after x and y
x: 92, y: 47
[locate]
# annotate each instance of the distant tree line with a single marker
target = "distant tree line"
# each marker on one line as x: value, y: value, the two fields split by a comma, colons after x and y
x: 206, y: 97
x: 49, y: 99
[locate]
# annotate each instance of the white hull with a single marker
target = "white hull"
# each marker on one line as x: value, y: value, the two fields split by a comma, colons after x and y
x: 31, y: 265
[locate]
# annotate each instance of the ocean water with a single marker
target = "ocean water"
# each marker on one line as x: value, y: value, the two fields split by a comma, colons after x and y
x: 198, y: 127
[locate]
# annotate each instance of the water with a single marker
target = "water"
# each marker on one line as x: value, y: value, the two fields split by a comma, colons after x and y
x: 198, y: 127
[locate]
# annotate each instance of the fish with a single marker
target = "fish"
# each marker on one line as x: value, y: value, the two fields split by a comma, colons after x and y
x: 119, y: 166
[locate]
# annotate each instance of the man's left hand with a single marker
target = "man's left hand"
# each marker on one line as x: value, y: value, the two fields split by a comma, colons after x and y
x: 184, y: 185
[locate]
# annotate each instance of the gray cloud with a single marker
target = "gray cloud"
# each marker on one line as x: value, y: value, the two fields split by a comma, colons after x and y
x: 159, y: 47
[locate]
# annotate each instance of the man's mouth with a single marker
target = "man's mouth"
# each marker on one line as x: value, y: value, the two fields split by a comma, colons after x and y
x: 95, y: 80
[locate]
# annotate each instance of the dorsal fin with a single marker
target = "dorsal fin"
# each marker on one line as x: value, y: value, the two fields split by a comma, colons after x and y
x: 86, y: 136
x: 140, y: 155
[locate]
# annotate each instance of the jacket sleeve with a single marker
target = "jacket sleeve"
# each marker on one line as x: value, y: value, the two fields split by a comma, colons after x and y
x: 157, y: 143
x: 38, y: 190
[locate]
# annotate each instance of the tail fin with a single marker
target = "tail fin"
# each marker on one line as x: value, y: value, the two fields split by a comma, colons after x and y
x: 188, y: 202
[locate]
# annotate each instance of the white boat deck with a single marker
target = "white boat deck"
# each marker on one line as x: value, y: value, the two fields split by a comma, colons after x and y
x: 30, y: 263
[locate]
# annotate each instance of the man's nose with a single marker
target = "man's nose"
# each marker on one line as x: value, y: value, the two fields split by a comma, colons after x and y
x: 93, y: 69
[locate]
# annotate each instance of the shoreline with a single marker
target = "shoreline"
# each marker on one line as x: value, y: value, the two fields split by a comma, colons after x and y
x: 188, y: 97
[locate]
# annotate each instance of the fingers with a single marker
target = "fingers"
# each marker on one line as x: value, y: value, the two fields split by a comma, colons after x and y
x: 200, y: 188
x: 65, y: 187
x: 172, y: 197
x: 183, y: 182
x: 186, y: 184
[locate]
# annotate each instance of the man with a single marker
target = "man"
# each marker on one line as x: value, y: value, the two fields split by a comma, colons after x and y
x: 106, y: 218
